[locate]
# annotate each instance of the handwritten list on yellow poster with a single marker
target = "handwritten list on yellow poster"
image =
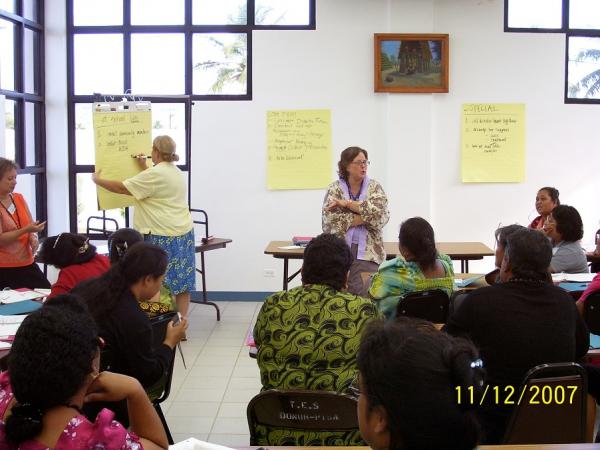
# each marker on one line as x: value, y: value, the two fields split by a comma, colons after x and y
x: 298, y: 149
x: 117, y: 136
x: 493, y: 143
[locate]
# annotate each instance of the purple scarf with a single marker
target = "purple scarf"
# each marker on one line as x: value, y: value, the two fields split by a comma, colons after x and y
x: 357, y: 234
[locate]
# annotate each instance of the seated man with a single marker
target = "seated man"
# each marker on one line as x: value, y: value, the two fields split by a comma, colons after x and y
x: 519, y: 323
x: 308, y: 337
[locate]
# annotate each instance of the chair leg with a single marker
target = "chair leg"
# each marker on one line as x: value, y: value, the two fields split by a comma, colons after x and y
x: 164, y: 422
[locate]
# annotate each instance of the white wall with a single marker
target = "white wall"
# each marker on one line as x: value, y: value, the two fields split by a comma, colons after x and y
x: 413, y: 140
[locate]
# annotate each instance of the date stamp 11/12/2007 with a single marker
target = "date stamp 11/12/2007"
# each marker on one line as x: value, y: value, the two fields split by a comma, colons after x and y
x: 511, y: 395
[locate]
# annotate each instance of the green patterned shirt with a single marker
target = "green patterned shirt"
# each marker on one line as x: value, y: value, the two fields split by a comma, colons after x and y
x: 307, y: 338
x: 398, y: 277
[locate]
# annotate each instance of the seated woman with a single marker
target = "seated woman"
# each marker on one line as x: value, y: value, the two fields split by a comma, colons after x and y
x: 501, y: 235
x: 307, y: 337
x: 415, y: 386
x: 421, y: 267
x: 113, y: 300
x: 52, y: 371
x: 592, y: 288
x: 565, y: 228
x: 545, y: 201
x: 118, y: 243
x: 75, y: 257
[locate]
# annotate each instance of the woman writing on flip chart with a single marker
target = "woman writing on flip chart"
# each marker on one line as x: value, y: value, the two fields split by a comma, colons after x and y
x: 162, y: 215
x: 355, y: 208
x: 18, y: 235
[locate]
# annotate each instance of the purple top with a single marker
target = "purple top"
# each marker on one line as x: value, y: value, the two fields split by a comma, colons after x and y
x: 356, y: 235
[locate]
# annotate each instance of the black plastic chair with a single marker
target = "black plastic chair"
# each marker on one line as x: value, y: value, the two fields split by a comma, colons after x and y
x: 301, y: 410
x: 591, y: 312
x: 551, y: 406
x: 429, y: 305
x: 159, y: 330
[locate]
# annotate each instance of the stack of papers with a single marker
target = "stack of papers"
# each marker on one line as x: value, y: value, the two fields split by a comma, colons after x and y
x: 9, y: 296
x: 573, y: 277
x: 461, y: 283
x: 196, y: 444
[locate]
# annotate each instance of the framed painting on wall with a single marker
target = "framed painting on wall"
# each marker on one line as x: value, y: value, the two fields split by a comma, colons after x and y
x: 411, y: 63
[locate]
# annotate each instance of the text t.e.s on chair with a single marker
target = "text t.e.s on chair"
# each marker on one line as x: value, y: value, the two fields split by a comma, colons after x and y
x: 551, y: 406
x: 301, y: 410
x: 429, y: 305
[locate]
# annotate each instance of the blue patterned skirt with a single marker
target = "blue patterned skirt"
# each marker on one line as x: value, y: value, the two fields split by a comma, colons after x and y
x: 181, y: 271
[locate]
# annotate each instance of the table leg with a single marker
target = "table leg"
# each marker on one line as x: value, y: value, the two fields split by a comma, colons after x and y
x: 205, y: 301
x: 285, y: 274
x: 466, y: 266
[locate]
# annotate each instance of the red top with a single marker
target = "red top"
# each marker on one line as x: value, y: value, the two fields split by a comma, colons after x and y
x: 593, y: 287
x: 72, y: 275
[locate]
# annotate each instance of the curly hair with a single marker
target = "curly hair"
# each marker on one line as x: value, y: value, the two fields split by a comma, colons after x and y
x: 412, y: 370
x: 49, y: 361
x: 65, y: 250
x: 529, y: 253
x: 6, y: 165
x: 120, y: 241
x: 102, y: 293
x: 327, y: 260
x: 346, y: 158
x: 416, y: 235
x: 568, y: 222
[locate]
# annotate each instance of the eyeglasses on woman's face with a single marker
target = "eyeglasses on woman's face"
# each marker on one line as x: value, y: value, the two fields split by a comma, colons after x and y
x: 361, y: 162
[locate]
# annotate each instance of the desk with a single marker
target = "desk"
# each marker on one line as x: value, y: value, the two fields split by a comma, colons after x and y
x: 585, y: 446
x: 201, y: 248
x: 463, y: 251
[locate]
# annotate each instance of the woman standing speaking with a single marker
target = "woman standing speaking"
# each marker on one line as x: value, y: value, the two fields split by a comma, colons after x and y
x: 162, y: 215
x: 356, y: 209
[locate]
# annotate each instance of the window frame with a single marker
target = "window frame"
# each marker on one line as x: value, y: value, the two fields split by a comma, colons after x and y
x: 126, y: 30
x: 36, y: 99
x: 568, y: 32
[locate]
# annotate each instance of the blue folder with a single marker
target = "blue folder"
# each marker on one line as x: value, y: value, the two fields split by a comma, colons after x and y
x: 24, y: 307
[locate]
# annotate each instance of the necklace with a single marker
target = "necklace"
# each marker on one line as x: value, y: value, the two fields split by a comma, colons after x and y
x: 75, y: 407
x: 352, y: 196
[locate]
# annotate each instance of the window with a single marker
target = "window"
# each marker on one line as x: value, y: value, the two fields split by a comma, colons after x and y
x: 22, y: 111
x: 168, y: 52
x: 579, y: 20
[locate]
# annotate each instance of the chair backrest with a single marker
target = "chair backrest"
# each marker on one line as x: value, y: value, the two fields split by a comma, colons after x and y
x: 551, y: 406
x: 591, y: 312
x: 302, y: 410
x: 199, y: 217
x: 430, y: 305
x: 159, y: 330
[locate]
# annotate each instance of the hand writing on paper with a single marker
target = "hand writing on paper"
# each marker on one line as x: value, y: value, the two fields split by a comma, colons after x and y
x: 141, y: 160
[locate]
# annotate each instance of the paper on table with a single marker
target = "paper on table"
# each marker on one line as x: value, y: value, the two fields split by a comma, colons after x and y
x: 10, y: 324
x: 10, y: 296
x: 290, y: 247
x: 196, y: 444
x: 5, y: 345
x: 575, y: 277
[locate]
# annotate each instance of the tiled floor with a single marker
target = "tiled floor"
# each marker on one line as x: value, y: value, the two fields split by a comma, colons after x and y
x: 208, y: 399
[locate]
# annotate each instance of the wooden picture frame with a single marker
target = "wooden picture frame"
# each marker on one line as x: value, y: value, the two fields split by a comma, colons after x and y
x: 411, y: 63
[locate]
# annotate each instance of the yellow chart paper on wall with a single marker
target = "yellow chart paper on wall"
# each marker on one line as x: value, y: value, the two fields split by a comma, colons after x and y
x: 118, y: 134
x: 493, y: 142
x: 298, y: 149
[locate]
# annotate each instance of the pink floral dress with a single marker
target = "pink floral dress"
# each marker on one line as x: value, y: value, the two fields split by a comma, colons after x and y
x: 80, y: 433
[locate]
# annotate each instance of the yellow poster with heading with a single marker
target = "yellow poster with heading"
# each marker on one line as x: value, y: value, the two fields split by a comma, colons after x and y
x: 121, y: 130
x: 298, y: 149
x: 493, y: 143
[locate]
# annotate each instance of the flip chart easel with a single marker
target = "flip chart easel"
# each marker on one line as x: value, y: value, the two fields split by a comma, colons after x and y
x: 121, y: 129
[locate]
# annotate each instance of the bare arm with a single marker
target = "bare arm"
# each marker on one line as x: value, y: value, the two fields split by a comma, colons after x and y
x: 143, y: 419
x: 9, y: 236
x: 114, y: 186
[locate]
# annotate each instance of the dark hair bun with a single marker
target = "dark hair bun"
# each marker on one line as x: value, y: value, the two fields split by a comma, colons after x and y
x: 24, y: 422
